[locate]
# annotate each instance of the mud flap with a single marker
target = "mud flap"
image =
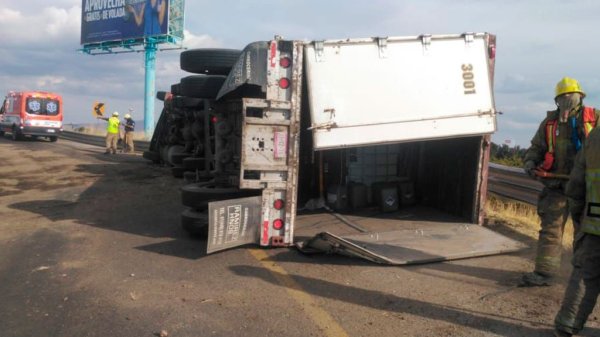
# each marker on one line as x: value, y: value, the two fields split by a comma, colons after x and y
x: 433, y: 242
x: 233, y: 223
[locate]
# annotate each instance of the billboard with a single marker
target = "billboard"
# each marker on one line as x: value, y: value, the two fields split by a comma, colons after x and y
x: 118, y: 20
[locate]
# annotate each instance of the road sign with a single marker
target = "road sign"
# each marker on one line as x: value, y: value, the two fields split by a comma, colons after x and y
x: 98, y: 109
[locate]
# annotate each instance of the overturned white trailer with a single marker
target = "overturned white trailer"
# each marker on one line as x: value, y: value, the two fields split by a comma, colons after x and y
x: 372, y: 147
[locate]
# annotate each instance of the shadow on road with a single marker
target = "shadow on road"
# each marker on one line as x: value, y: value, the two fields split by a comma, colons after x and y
x: 497, y: 324
x: 123, y: 193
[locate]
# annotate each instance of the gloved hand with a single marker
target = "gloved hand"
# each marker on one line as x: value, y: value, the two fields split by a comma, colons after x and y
x: 529, y: 168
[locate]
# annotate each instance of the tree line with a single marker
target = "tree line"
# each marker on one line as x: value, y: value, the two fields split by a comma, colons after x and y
x: 505, y: 155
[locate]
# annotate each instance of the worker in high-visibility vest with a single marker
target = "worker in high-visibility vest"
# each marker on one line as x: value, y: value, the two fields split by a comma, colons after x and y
x: 112, y: 132
x: 553, y: 149
x: 583, y: 190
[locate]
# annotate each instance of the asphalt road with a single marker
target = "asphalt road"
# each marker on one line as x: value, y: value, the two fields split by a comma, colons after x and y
x: 90, y: 245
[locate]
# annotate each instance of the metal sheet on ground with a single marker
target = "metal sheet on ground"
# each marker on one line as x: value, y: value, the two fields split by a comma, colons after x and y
x: 433, y: 242
x: 233, y: 223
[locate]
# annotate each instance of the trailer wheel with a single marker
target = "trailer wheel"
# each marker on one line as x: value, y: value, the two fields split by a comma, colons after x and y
x: 177, y: 171
x: 177, y: 158
x: 160, y: 95
x: 152, y: 156
x: 195, y: 223
x: 172, y: 151
x: 191, y: 177
x: 193, y: 163
x: 187, y: 102
x: 15, y: 135
x: 176, y: 89
x: 209, y: 60
x: 197, y: 196
x: 201, y: 86
x: 53, y: 138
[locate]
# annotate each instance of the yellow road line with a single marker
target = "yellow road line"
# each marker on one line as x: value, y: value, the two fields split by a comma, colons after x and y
x: 321, y: 318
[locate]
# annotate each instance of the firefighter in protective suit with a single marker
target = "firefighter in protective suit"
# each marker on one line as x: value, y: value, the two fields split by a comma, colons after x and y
x: 552, y: 153
x: 583, y: 288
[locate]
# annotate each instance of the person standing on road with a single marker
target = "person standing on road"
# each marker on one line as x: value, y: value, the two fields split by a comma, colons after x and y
x: 129, y: 127
x: 112, y: 132
x: 583, y: 288
x: 552, y: 153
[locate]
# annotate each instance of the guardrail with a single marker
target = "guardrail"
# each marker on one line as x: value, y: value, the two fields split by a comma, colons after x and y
x: 139, y: 145
x: 513, y: 183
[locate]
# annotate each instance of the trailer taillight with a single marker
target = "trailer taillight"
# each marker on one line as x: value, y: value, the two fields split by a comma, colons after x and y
x: 278, y: 224
x: 285, y: 62
x: 278, y: 204
x: 492, y: 51
x: 284, y: 83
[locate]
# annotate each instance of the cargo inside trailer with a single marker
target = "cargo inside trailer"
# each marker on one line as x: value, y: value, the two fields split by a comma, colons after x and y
x: 434, y: 180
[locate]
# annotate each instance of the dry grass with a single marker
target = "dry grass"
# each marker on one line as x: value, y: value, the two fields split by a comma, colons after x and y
x: 521, y: 217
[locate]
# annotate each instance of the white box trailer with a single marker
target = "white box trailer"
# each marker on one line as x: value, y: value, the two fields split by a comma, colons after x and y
x: 376, y: 148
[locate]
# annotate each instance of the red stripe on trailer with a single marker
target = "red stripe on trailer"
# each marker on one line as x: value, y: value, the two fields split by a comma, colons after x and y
x: 273, y: 53
x: 265, y: 234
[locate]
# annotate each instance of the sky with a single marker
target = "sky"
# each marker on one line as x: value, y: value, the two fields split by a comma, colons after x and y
x: 538, y: 43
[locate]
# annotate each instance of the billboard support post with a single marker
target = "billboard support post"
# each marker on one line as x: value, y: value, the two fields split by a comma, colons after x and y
x: 149, y: 87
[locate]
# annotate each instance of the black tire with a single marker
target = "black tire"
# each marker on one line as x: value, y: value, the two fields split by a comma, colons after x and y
x: 16, y: 134
x: 177, y: 158
x: 172, y: 151
x: 1, y: 133
x: 176, y: 89
x: 195, y: 223
x: 191, y: 177
x: 223, y: 128
x: 152, y: 156
x: 187, y: 102
x: 197, y: 196
x: 193, y: 163
x: 201, y: 86
x: 53, y: 138
x: 160, y: 95
x: 209, y: 61
x: 177, y: 171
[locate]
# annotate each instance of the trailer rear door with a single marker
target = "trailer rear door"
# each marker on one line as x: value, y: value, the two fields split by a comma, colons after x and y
x: 431, y: 242
x: 386, y: 90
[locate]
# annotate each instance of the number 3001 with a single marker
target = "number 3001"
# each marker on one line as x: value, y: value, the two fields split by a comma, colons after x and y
x: 467, y: 75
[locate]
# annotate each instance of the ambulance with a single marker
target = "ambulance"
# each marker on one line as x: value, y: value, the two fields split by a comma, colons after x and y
x: 32, y: 113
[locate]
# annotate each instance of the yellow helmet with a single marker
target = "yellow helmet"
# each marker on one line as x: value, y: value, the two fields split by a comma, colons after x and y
x: 567, y: 85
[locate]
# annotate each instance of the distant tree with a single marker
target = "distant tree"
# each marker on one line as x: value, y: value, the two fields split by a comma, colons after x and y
x: 505, y: 155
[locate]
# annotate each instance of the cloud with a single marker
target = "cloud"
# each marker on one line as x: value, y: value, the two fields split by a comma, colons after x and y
x: 57, y: 26
x: 9, y: 16
x: 62, y: 22
x: 516, y: 83
x: 199, y: 41
x: 50, y: 81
